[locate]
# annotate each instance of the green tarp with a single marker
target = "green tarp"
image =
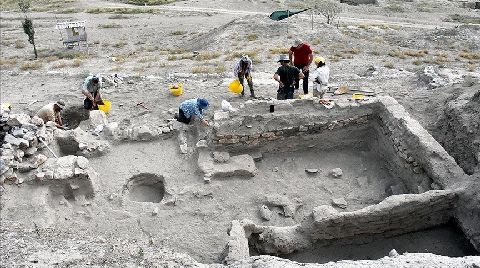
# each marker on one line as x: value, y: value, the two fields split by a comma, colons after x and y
x: 283, y: 14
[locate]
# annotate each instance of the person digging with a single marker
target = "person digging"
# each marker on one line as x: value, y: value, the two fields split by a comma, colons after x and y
x: 242, y: 70
x: 191, y: 109
x: 51, y: 112
x: 286, y: 75
x: 91, y: 90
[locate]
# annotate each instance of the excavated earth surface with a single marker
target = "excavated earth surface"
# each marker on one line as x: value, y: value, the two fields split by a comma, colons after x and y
x: 141, y: 191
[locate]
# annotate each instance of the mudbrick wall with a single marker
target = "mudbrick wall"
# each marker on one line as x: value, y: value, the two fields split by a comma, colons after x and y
x: 395, y: 215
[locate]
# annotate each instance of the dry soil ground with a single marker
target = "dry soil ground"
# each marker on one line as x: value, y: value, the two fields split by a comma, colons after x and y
x: 382, y: 48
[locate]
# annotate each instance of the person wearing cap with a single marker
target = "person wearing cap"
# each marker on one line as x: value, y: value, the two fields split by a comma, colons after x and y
x: 242, y: 70
x: 301, y: 56
x: 191, y: 109
x: 320, y: 77
x: 286, y: 75
x: 51, y: 112
x: 91, y: 90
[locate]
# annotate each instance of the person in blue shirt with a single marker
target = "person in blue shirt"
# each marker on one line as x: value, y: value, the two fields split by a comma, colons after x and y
x: 191, y: 109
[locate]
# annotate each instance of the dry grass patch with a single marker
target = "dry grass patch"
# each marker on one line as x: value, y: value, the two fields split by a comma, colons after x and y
x: 209, y: 55
x: 252, y: 37
x: 109, y: 26
x: 279, y: 50
x: 19, y: 44
x: 119, y: 17
x: 374, y: 25
x: 209, y: 69
x: 416, y: 53
x: 178, y: 32
x: 119, y: 45
x: 469, y: 55
x: 389, y: 65
x: 148, y: 2
x: 122, y: 10
x: 253, y: 54
x: 471, y: 67
x: 31, y: 65
x: 60, y: 65
x: 8, y: 62
x: 76, y: 63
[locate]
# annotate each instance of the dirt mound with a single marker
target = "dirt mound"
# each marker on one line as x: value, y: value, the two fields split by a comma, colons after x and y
x: 460, y: 130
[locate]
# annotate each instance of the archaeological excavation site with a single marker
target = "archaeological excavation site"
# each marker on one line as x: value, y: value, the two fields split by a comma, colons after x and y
x: 275, y: 182
x: 378, y: 165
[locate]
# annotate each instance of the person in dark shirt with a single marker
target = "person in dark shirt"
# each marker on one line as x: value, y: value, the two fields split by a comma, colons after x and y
x: 286, y: 76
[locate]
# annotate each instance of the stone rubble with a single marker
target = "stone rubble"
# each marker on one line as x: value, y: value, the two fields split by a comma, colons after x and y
x: 22, y: 136
x: 336, y: 172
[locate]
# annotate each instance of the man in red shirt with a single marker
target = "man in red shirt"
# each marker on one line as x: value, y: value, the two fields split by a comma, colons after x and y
x: 301, y: 56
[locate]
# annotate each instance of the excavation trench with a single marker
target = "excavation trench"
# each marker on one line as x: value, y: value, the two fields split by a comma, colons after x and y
x: 393, y: 186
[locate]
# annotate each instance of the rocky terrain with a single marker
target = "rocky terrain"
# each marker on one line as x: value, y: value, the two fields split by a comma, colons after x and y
x: 81, y: 208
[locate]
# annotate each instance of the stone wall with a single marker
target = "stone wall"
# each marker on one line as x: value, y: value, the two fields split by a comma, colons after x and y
x: 419, y: 150
x: 395, y: 215
x: 253, y: 125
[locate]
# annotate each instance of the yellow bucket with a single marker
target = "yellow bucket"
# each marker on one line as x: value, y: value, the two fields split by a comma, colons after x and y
x: 235, y: 87
x: 106, y: 106
x: 358, y: 96
x: 176, y: 89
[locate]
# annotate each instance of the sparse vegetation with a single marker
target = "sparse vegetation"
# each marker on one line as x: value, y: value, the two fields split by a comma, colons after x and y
x: 76, y: 63
x: 464, y: 19
x: 252, y: 37
x: 279, y: 50
x: 8, y: 62
x: 122, y: 10
x: 109, y: 25
x: 118, y: 17
x: 389, y: 65
x: 202, y: 56
x: 27, y: 24
x: 237, y: 54
x: 19, y: 44
x: 178, y: 32
x: 469, y: 55
x: 119, y: 45
x: 395, y: 8
x: 31, y: 65
x: 329, y: 9
x: 205, y: 69
x: 148, y: 2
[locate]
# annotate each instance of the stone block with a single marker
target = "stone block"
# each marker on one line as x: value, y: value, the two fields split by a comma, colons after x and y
x: 18, y: 119
x: 221, y: 157
x: 240, y: 165
x: 322, y: 213
x: 336, y: 172
x: 340, y: 202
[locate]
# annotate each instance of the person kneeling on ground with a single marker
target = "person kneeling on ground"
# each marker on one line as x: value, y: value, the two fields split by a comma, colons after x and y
x: 91, y: 90
x: 51, y: 112
x: 242, y: 70
x: 320, y: 77
x: 286, y: 76
x: 191, y: 109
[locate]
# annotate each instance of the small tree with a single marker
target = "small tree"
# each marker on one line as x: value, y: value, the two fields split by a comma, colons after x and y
x: 329, y: 9
x: 28, y: 24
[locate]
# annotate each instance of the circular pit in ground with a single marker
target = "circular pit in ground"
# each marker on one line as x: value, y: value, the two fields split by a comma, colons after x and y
x: 146, y: 187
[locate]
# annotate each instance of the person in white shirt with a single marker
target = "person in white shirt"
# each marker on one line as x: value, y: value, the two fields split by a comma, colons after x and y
x: 320, y: 77
x: 242, y: 70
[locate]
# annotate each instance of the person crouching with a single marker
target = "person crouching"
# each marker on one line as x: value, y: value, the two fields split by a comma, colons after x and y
x: 191, y: 109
